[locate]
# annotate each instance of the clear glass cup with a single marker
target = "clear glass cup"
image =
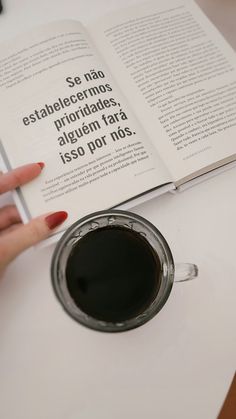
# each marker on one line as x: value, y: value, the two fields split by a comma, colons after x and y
x: 170, y: 272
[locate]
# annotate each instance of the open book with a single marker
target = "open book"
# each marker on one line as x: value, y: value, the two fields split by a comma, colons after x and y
x: 137, y: 104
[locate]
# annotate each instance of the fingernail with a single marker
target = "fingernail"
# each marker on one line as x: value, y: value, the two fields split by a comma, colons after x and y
x: 41, y: 164
x: 55, y: 219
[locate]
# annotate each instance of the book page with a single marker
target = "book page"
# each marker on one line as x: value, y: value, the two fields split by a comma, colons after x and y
x: 179, y: 75
x: 59, y: 105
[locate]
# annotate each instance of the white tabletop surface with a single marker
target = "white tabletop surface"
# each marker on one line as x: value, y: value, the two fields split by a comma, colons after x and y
x: 180, y: 364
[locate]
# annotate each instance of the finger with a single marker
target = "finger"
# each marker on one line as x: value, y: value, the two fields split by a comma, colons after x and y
x: 8, y: 216
x: 19, y: 176
x: 27, y: 235
x: 8, y: 230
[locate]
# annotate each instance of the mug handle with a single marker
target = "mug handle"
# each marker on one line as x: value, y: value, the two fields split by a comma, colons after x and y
x: 185, y: 272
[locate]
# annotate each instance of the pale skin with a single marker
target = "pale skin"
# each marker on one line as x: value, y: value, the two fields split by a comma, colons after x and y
x: 16, y: 237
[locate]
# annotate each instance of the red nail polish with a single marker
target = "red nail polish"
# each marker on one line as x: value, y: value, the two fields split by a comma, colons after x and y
x: 55, y: 219
x: 41, y: 164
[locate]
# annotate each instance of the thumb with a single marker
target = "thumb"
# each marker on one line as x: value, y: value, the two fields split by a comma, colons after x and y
x: 27, y: 235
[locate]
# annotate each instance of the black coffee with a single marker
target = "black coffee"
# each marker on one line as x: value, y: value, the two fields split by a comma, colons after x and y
x: 113, y: 274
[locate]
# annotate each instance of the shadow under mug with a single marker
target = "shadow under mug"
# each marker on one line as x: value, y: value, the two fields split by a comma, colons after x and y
x: 169, y: 272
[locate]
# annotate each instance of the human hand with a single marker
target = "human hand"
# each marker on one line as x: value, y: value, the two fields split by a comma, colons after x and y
x: 14, y: 236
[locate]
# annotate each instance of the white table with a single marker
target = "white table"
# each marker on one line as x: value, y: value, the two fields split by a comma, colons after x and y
x: 179, y: 365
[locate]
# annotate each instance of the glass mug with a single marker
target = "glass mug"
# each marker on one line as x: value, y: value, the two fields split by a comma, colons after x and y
x: 149, y: 237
